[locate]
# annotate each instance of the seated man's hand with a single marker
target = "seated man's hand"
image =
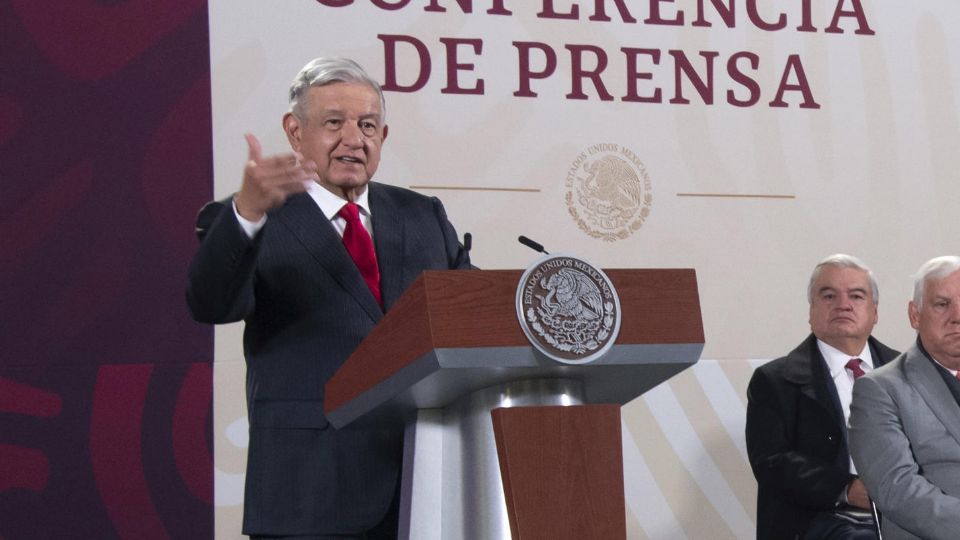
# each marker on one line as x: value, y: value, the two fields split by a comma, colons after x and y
x: 857, y: 494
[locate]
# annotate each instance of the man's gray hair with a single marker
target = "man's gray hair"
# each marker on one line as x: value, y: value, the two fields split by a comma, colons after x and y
x: 843, y: 260
x: 935, y: 268
x: 323, y: 71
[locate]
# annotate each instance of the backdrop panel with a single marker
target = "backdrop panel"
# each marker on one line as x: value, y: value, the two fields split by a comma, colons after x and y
x: 105, y: 382
x: 745, y: 143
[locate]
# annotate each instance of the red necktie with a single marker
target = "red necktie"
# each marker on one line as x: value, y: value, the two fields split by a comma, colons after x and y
x: 854, y: 366
x: 360, y: 247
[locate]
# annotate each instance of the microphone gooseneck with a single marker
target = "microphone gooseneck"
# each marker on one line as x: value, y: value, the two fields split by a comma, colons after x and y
x: 532, y: 245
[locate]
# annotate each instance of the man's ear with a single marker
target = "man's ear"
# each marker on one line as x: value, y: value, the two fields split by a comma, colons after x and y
x: 914, y: 314
x: 291, y: 126
x: 386, y: 129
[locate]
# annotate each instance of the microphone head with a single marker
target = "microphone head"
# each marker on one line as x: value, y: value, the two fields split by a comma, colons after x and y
x: 467, y: 241
x: 531, y: 244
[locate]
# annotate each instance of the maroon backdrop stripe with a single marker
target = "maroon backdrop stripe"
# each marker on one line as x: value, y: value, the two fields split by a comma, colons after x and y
x: 105, y: 381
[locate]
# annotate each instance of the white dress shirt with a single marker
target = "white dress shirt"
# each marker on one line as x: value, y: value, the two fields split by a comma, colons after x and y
x: 328, y: 203
x: 843, y: 378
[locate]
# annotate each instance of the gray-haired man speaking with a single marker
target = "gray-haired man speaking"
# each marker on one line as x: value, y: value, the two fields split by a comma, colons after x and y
x: 310, y: 253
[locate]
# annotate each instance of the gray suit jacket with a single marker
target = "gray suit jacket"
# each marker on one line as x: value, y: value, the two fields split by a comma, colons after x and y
x: 905, y: 442
x: 306, y: 308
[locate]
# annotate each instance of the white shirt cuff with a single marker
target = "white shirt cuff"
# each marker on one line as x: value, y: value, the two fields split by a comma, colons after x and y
x: 249, y: 227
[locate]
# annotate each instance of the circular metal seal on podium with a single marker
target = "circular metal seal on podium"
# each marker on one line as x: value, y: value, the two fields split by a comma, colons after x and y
x: 568, y: 309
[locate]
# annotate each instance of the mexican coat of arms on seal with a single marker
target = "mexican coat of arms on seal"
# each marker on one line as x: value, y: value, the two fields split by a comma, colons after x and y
x: 568, y: 309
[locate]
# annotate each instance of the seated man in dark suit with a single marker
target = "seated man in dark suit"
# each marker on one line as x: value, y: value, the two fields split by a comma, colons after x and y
x: 310, y: 253
x: 798, y: 407
x: 905, y: 417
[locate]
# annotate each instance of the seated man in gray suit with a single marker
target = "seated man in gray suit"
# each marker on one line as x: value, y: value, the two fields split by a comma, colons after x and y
x: 905, y: 417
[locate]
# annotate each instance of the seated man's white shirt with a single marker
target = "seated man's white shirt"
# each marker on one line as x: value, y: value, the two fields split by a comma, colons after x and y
x: 843, y: 378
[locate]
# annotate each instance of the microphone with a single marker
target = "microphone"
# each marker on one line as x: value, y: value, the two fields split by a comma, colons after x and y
x: 531, y: 244
x: 463, y: 254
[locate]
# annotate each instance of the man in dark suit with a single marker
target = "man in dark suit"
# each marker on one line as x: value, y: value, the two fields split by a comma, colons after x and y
x: 798, y: 407
x: 291, y: 254
x: 905, y: 417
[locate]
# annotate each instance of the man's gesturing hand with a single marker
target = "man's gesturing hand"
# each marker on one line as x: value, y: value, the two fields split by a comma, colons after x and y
x: 268, y: 181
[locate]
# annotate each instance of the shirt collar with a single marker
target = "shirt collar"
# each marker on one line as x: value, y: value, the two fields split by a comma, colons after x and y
x: 935, y: 361
x: 837, y: 360
x: 331, y: 204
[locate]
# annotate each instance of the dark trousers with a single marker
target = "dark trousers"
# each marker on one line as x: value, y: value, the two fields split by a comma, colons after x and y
x: 831, y: 526
x: 385, y: 530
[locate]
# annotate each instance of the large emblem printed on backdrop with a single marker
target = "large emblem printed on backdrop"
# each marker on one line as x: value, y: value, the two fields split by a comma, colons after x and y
x: 746, y: 139
x: 105, y: 382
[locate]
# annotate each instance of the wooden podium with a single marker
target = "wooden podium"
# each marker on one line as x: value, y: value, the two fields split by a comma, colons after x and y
x: 503, y: 442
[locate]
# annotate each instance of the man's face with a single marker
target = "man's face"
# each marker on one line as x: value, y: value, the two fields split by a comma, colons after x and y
x: 341, y: 129
x: 938, y: 320
x: 842, y: 311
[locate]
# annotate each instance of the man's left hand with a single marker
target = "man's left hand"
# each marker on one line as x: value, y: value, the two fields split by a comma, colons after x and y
x: 857, y: 494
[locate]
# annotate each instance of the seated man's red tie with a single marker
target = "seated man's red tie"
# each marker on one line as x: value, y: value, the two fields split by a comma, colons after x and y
x: 360, y: 247
x: 854, y: 366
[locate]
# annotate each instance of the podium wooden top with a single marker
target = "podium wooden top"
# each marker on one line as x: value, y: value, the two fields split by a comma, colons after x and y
x: 465, y: 321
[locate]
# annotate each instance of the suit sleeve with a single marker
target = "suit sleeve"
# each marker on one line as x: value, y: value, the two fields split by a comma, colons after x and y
x: 221, y: 275
x: 772, y: 447
x: 883, y: 455
x: 458, y: 258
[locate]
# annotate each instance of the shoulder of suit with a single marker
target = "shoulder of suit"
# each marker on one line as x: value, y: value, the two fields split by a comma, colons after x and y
x: 886, y: 353
x: 894, y: 368
x: 210, y: 213
x: 794, y: 367
x: 776, y: 365
x: 397, y: 193
x: 212, y: 209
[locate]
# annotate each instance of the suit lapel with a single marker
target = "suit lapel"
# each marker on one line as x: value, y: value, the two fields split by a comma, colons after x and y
x: 310, y: 227
x: 922, y: 375
x: 881, y: 353
x: 388, y: 239
x: 813, y: 378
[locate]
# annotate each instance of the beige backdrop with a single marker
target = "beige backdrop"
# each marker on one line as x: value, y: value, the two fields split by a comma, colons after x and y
x: 751, y: 197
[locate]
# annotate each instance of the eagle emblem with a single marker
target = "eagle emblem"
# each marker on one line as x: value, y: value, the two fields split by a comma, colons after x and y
x: 568, y: 309
x: 608, y: 192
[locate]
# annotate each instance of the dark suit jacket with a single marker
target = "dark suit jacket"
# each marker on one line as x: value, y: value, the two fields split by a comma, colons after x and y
x: 306, y: 308
x: 797, y: 439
